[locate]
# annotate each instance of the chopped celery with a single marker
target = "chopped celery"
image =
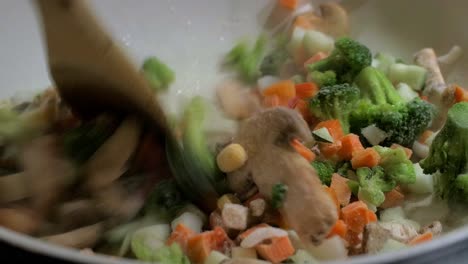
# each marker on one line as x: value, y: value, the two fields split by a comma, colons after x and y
x: 159, y: 75
x: 146, y: 241
x: 413, y: 75
x: 384, y: 61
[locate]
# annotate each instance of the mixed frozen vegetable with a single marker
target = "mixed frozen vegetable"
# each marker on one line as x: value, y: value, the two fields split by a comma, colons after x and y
x: 338, y: 152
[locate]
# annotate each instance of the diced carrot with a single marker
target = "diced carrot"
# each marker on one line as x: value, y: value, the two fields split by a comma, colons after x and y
x: 199, y: 247
x: 305, y: 152
x: 333, y: 126
x: 408, y: 151
x: 349, y: 145
x: 303, y: 108
x: 218, y: 238
x: 334, y: 198
x: 355, y: 216
x: 339, y: 229
x: 181, y: 236
x: 249, y: 231
x: 278, y: 250
x: 421, y: 238
x: 365, y: 158
x: 371, y: 216
x: 304, y: 22
x: 271, y: 101
x: 283, y: 89
x: 306, y: 90
x: 393, y: 198
x: 461, y: 95
x: 340, y: 185
x: 292, y: 103
x: 425, y: 136
x: 330, y: 150
x: 290, y: 4
x: 316, y: 57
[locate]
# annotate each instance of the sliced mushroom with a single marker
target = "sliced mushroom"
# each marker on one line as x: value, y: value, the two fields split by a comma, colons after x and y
x: 20, y: 220
x: 437, y: 91
x: 47, y: 173
x: 435, y: 228
x: 237, y: 101
x: 266, y: 137
x: 115, y: 201
x: 85, y: 237
x: 335, y: 20
x: 374, y: 238
x: 107, y: 163
x: 13, y: 187
x: 74, y: 214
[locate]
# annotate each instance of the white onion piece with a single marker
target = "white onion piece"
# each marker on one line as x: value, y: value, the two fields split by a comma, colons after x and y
x: 261, y: 234
x: 374, y: 134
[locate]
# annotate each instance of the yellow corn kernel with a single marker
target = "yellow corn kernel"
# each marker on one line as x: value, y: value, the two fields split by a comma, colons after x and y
x: 227, y: 198
x: 231, y: 158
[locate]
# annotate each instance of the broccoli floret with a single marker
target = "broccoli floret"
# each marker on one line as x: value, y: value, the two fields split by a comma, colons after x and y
x: 335, y: 102
x: 394, y: 168
x: 347, y: 59
x: 373, y: 183
x: 396, y: 165
x: 165, y: 201
x: 324, y: 170
x: 247, y: 61
x: 278, y: 193
x: 376, y: 87
x: 402, y: 123
x: 326, y: 78
x: 159, y: 75
x: 449, y: 155
x: 272, y: 63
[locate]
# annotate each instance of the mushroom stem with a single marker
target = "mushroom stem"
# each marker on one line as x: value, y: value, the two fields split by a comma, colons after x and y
x: 84, y: 237
x: 436, y: 89
x: 107, y: 163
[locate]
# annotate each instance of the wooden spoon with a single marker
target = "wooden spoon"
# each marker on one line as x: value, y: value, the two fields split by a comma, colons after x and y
x: 91, y: 72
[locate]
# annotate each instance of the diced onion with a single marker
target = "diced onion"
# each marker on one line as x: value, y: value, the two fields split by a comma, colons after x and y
x: 374, y: 134
x: 261, y: 234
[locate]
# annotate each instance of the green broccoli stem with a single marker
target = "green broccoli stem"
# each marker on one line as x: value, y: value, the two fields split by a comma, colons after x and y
x: 376, y: 87
x: 449, y: 155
